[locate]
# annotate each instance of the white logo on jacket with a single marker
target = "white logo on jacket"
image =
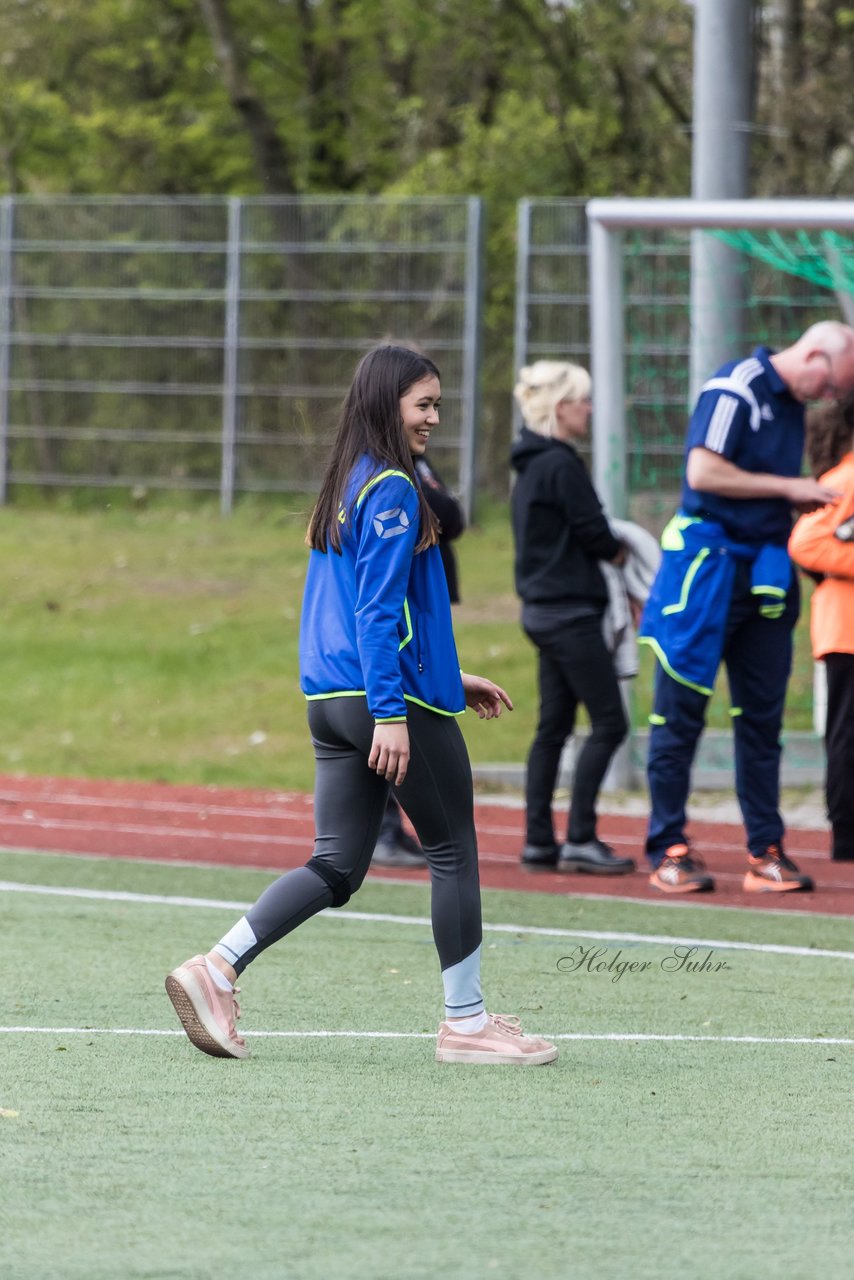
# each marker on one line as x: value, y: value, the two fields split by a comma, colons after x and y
x: 383, y: 526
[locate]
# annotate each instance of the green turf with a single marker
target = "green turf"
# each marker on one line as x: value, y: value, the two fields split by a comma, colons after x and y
x: 361, y: 1158
x: 161, y: 643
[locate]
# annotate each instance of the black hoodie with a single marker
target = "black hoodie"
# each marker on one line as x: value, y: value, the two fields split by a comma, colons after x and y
x: 559, y: 527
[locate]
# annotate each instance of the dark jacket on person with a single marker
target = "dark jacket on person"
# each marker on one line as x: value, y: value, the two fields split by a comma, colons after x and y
x: 559, y: 527
x: 451, y: 519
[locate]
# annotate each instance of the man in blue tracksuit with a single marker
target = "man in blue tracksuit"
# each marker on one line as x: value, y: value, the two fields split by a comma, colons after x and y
x: 726, y: 590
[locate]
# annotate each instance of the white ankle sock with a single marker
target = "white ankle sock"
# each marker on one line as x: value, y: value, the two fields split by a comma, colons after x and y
x: 470, y: 1026
x: 218, y: 976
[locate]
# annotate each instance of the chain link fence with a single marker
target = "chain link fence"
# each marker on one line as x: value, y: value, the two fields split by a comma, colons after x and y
x: 552, y: 287
x: 205, y: 343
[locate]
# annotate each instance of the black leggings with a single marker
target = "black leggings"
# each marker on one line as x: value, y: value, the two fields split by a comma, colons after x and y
x: 574, y: 667
x: 349, y: 802
x: 839, y: 742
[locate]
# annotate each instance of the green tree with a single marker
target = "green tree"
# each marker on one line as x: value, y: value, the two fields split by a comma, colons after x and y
x: 500, y: 98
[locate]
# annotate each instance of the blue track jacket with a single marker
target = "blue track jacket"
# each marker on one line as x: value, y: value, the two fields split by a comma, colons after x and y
x: 376, y: 620
x: 685, y: 618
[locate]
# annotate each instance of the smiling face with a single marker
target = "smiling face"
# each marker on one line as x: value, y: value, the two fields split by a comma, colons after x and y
x: 419, y: 413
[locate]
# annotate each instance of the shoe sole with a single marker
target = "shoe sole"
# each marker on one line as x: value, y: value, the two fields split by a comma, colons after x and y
x: 538, y: 866
x: 776, y: 886
x: 479, y: 1057
x: 193, y: 1019
x: 683, y: 888
x: 590, y: 869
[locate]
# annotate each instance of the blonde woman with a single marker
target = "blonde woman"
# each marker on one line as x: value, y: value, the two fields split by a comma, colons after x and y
x: 560, y: 534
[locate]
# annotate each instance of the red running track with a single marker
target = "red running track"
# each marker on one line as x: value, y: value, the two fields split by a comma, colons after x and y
x: 273, y: 830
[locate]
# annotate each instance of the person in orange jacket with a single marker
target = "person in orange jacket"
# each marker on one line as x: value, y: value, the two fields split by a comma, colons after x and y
x: 822, y: 543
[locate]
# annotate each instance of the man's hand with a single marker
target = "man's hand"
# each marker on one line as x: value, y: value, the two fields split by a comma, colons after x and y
x: 808, y: 495
x: 708, y: 472
x: 485, y: 697
x: 390, y: 751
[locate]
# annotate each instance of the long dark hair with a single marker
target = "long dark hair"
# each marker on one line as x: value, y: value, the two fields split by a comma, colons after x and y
x: 830, y: 430
x: 369, y: 423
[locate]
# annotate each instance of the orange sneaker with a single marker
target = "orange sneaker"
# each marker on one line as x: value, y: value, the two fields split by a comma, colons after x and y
x: 681, y: 871
x: 207, y: 1014
x: 500, y: 1041
x: 773, y: 872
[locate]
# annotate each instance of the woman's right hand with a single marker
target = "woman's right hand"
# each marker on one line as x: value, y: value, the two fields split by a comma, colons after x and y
x: 390, y: 751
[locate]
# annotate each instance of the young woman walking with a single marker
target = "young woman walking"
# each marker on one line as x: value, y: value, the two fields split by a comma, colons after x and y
x: 380, y: 673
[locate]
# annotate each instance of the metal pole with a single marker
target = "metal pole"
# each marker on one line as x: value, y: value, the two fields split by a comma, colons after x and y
x: 470, y: 398
x: 606, y: 366
x: 522, y: 319
x: 607, y: 358
x: 627, y: 211
x: 230, y: 356
x: 7, y: 209
x: 720, y: 170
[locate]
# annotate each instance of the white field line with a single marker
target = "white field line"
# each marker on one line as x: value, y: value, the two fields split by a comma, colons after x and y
x: 283, y: 805
x: 304, y: 841
x: 300, y: 809
x: 147, y: 829
x: 665, y: 940
x: 614, y: 1036
x: 286, y: 807
x: 419, y: 877
x: 166, y: 833
x: 200, y: 808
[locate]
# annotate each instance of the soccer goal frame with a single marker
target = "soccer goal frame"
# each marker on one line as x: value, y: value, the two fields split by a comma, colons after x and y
x: 715, y: 300
x: 711, y: 316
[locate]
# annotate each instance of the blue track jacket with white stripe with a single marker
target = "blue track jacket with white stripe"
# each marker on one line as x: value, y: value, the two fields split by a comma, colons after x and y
x: 376, y: 619
x: 747, y: 414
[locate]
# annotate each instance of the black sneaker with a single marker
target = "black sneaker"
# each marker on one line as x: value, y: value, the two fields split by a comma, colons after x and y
x: 392, y: 853
x: 594, y: 857
x: 405, y: 841
x: 540, y: 857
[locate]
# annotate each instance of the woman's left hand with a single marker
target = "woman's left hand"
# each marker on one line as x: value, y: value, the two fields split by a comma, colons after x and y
x: 484, y: 696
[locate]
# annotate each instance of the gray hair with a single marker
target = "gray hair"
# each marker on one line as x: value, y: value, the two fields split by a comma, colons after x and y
x: 543, y: 385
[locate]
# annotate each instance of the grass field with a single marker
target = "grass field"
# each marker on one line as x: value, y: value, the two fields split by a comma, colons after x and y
x: 161, y: 643
x: 721, y: 1151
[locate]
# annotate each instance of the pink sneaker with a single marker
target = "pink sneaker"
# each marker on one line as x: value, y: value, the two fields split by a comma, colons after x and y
x: 207, y: 1014
x: 501, y: 1040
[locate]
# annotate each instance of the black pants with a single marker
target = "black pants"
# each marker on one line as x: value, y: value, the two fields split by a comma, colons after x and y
x: 839, y: 746
x: 574, y: 667
x: 349, y: 803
